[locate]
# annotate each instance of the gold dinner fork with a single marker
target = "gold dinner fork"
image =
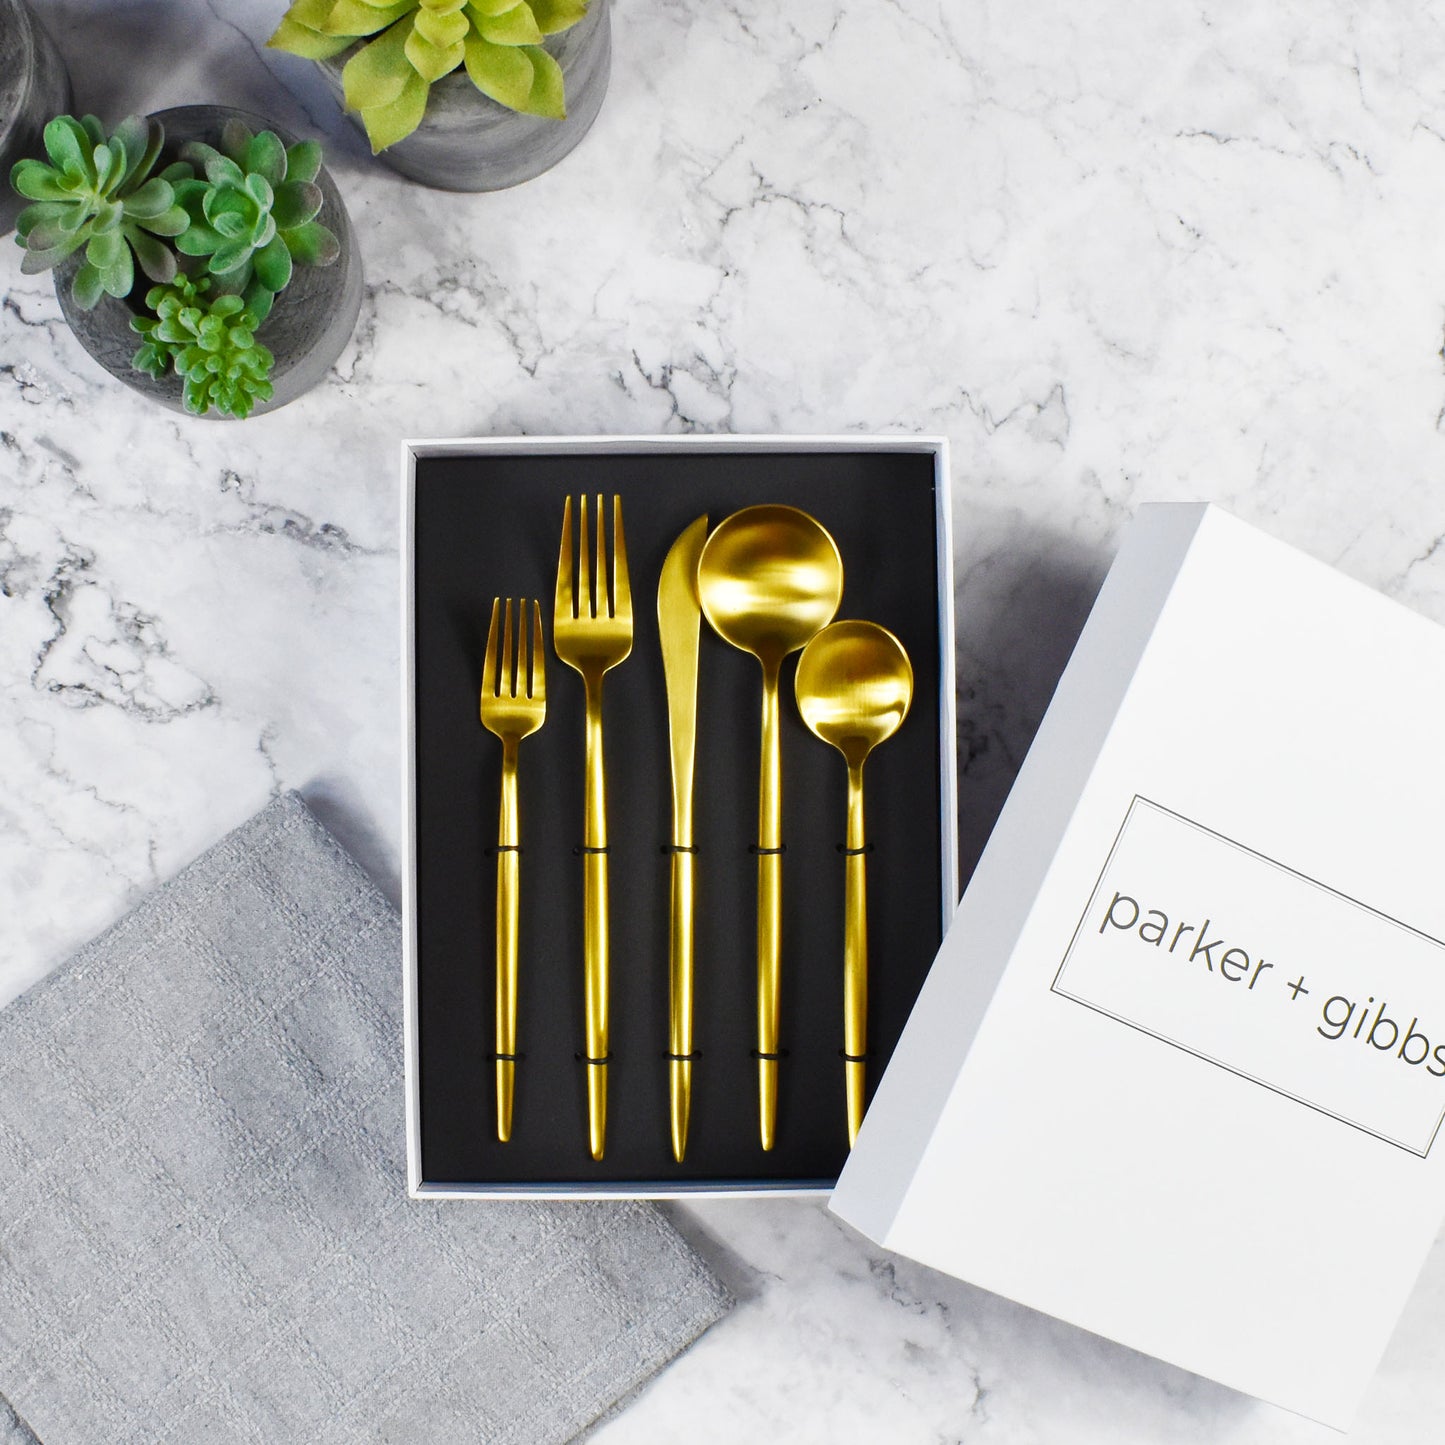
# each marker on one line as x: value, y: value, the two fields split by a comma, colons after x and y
x: 592, y: 632
x: 514, y: 704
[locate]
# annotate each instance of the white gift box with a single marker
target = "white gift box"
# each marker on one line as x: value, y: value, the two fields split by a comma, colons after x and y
x: 1178, y: 1074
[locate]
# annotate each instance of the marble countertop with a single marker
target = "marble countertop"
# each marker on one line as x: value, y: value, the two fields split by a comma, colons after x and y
x: 1120, y: 254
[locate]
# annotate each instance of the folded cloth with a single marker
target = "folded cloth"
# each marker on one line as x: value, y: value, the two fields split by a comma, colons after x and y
x: 204, y: 1229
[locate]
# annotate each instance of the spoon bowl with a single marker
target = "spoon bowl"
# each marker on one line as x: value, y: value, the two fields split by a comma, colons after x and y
x: 768, y: 579
x: 854, y: 685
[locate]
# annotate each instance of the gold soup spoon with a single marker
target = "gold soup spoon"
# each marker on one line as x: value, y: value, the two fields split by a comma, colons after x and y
x: 854, y: 685
x: 768, y: 579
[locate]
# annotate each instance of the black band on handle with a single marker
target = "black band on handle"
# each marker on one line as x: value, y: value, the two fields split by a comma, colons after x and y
x: 759, y: 1054
x: 506, y: 1058
x: 853, y: 852
x: 583, y: 848
x: 684, y: 1058
x: 679, y: 848
x: 503, y: 848
x: 591, y: 1062
x: 766, y: 852
x: 854, y: 1058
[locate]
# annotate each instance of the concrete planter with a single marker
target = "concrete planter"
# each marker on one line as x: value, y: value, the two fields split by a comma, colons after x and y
x: 34, y: 87
x: 311, y: 322
x: 467, y: 142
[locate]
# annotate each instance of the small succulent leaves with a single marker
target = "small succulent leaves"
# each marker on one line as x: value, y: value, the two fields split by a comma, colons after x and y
x: 378, y: 73
x: 156, y: 259
x: 432, y: 61
x: 319, y: 29
x: 295, y: 203
x: 272, y: 265
x: 362, y: 17
x: 443, y: 24
x: 97, y: 193
x: 555, y: 16
x: 297, y: 39
x: 418, y: 42
x: 516, y: 26
x: 259, y: 300
x: 382, y: 87
x: 303, y: 161
x: 211, y: 345
x: 524, y: 78
x: 503, y: 72
x: 71, y: 147
x: 548, y: 97
x: 141, y: 140
x: 266, y: 157
x: 250, y: 216
x: 149, y: 202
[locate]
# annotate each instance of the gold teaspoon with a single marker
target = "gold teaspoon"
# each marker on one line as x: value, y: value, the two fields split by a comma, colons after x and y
x: 768, y: 579
x: 854, y: 685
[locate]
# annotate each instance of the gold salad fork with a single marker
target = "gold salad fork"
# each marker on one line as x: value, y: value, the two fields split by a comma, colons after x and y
x: 592, y: 632
x: 514, y: 704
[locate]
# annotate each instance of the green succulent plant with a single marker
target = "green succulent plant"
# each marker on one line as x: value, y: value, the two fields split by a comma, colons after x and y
x: 417, y: 42
x: 98, y: 192
x: 210, y: 344
x: 251, y: 212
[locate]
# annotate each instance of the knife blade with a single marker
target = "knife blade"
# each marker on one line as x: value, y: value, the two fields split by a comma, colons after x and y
x: 679, y: 620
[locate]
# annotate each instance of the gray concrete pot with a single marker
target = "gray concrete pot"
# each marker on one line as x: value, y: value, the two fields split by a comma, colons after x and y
x: 34, y: 88
x: 467, y: 142
x: 311, y: 322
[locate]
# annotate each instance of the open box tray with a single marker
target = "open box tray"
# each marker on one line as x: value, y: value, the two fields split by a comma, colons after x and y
x: 483, y: 519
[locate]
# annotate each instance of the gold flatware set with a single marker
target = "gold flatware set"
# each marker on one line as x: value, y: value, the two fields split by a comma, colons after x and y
x: 769, y: 580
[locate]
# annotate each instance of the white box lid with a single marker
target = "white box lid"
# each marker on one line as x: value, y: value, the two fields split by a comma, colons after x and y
x: 1178, y: 1073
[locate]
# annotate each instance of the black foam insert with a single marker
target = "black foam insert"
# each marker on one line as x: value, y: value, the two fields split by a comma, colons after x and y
x: 489, y: 525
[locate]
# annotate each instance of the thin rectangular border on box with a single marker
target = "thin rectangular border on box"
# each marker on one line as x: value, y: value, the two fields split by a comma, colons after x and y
x: 1197, y: 1053
x: 935, y: 446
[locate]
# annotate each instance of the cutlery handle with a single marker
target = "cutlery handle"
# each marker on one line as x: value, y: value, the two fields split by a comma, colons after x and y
x: 595, y: 925
x: 770, y: 909
x: 855, y: 955
x: 508, y: 891
x: 680, y: 992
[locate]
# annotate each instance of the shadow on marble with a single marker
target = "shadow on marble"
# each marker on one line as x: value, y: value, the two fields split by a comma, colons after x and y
x: 348, y: 820
x: 139, y: 56
x: 1019, y: 613
x: 1012, y: 1348
x: 740, y: 1278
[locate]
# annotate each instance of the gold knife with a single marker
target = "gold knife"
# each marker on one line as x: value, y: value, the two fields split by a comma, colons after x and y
x: 679, y: 619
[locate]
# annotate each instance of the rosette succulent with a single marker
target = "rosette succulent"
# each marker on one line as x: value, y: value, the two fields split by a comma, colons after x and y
x: 98, y: 192
x: 406, y: 46
x: 220, y: 230
x: 211, y: 344
x: 251, y: 212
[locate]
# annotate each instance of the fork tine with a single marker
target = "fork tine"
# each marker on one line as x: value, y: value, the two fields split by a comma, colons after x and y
x: 537, y: 677
x: 564, y: 605
x: 507, y: 682
x: 603, y: 607
x: 489, y: 663
x: 586, y: 607
x: 621, y: 583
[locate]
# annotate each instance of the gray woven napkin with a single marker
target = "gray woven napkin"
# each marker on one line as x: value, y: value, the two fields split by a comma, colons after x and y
x: 204, y: 1230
